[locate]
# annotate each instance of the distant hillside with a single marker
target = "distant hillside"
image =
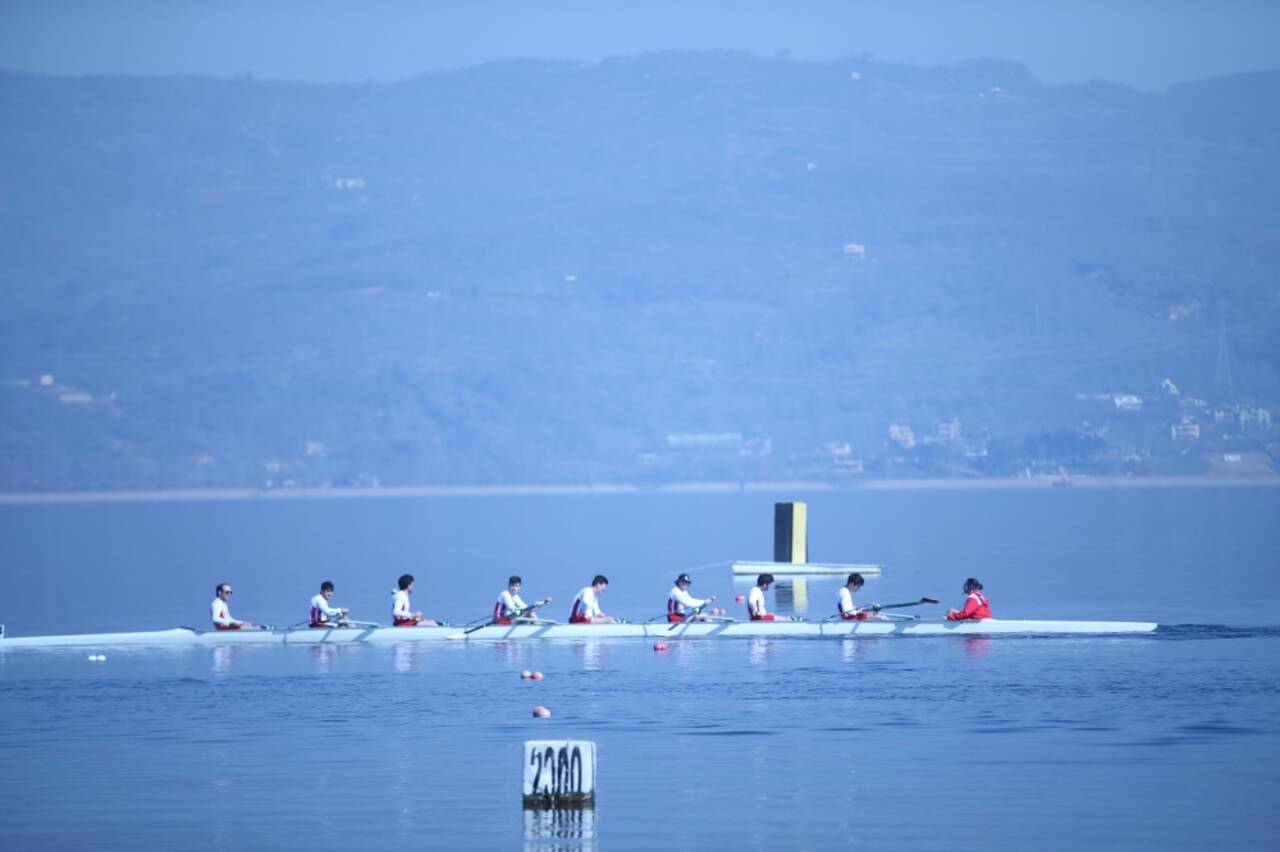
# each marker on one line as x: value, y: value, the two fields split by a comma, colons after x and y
x: 549, y: 272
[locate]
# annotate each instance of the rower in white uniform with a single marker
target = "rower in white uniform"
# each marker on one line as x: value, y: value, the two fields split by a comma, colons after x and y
x: 586, y: 606
x: 755, y: 601
x: 323, y: 613
x: 402, y: 612
x: 682, y: 606
x: 221, y: 612
x: 844, y: 602
x: 510, y: 608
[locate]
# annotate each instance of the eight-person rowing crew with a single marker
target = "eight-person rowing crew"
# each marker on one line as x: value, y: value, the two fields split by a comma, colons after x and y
x: 510, y: 608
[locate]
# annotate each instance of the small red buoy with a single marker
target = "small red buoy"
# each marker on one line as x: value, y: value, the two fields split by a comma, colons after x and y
x: 541, y: 712
x: 526, y: 675
x: 659, y: 646
x: 718, y: 611
x: 536, y: 676
x: 741, y: 599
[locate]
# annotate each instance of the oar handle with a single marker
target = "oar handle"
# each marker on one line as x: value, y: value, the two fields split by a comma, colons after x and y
x: 489, y: 621
x: 531, y: 607
x: 692, y: 615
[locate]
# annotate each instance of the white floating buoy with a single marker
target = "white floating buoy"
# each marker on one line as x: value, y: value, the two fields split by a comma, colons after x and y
x: 526, y: 675
x: 541, y: 712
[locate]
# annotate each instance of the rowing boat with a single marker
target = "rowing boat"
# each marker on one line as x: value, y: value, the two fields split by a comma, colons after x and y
x: 662, y: 630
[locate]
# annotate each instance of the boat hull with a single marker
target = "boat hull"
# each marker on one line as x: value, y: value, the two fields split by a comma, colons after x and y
x: 521, y: 632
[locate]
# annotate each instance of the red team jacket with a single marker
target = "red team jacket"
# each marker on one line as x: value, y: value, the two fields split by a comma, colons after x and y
x: 976, y: 608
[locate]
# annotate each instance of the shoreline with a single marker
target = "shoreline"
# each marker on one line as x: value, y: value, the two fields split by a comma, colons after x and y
x: 404, y: 491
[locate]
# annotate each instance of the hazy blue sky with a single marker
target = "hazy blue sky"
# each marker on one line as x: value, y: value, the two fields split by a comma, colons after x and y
x: 1146, y: 43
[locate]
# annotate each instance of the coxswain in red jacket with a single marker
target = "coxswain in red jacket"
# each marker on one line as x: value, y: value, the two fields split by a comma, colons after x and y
x: 976, y: 606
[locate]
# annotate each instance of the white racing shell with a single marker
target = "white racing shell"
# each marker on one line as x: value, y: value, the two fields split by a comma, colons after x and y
x: 655, y: 630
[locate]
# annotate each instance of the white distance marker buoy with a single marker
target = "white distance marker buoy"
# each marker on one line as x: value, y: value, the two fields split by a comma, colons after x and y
x: 559, y: 772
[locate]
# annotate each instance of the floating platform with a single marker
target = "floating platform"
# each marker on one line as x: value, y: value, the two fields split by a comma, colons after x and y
x: 804, y: 569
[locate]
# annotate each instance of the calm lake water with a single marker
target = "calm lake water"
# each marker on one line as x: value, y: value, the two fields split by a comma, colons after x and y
x: 1161, y: 741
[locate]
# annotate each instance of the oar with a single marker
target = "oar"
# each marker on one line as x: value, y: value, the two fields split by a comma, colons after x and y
x: 689, y: 616
x: 878, y: 607
x: 333, y: 625
x: 516, y: 614
x: 901, y: 605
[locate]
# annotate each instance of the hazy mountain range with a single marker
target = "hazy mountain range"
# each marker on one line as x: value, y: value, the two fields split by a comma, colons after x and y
x: 550, y: 272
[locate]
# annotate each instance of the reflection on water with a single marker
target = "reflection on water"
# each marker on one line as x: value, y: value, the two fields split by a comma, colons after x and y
x: 512, y: 654
x: 975, y: 646
x: 853, y: 649
x: 222, y: 657
x: 408, y: 656
x: 760, y: 649
x: 322, y: 656
x: 792, y: 595
x: 506, y: 652
x: 405, y: 796
x: 592, y: 652
x: 560, y: 829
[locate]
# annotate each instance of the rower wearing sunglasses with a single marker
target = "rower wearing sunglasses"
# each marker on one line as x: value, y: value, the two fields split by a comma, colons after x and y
x: 221, y: 612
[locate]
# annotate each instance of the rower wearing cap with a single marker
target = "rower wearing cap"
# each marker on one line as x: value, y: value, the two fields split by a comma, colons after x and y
x: 510, y: 608
x: 586, y: 606
x: 322, y: 614
x: 682, y: 606
x: 402, y: 614
x: 976, y: 606
x: 221, y: 611
x: 844, y: 601
x: 755, y: 601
